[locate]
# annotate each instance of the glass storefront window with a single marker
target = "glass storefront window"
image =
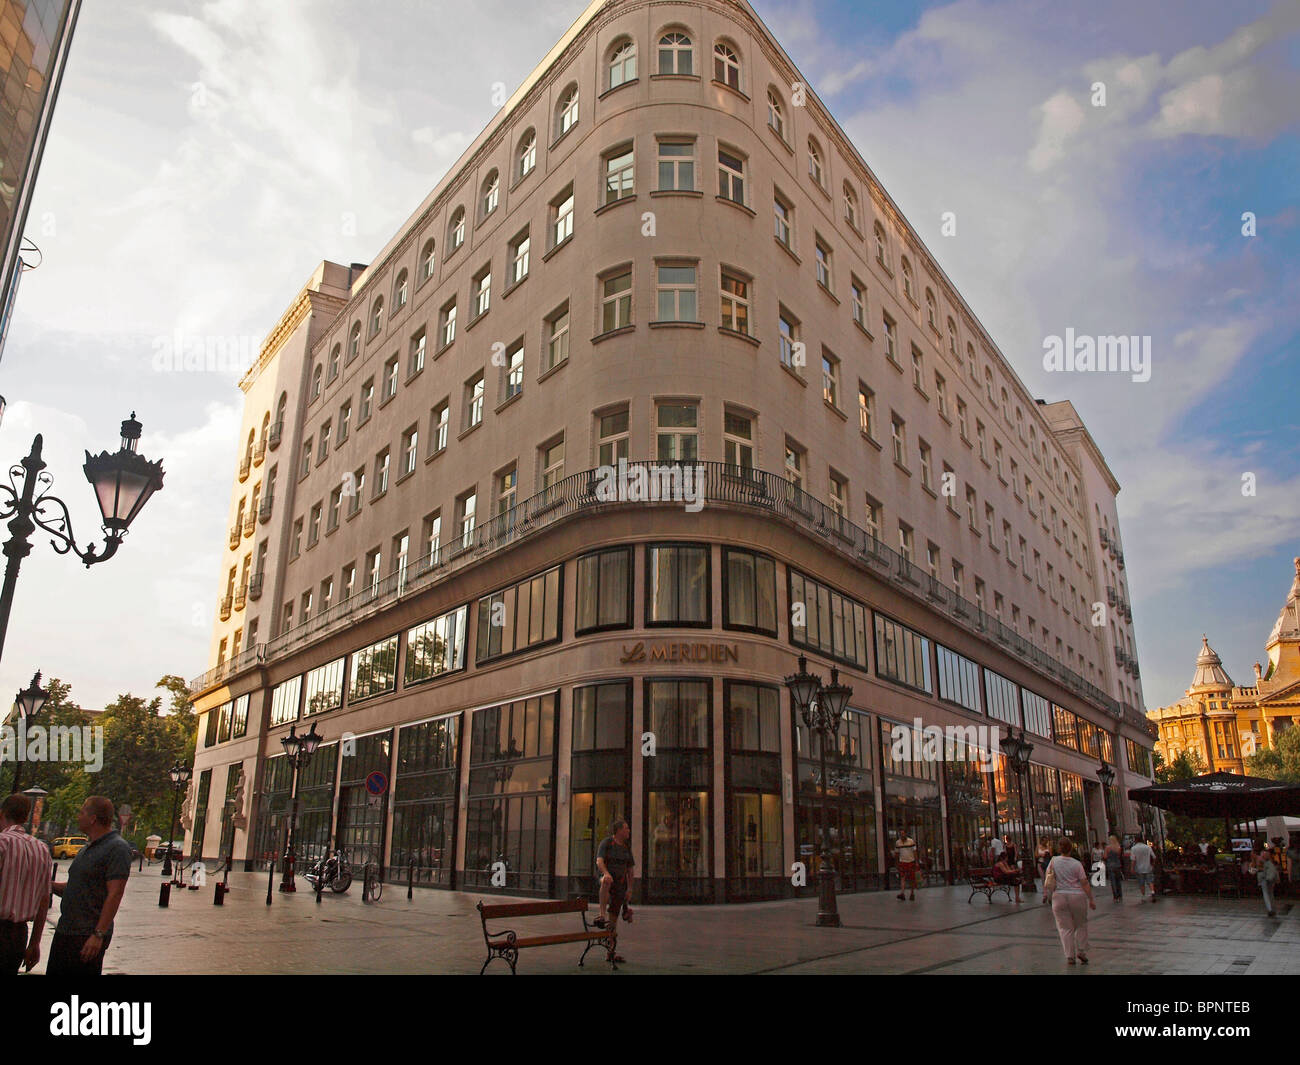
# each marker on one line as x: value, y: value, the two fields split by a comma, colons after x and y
x: 268, y: 841
x: 436, y: 647
x: 362, y: 821
x: 827, y: 622
x: 755, y: 837
x: 600, y: 773
x: 1038, y: 714
x: 969, y: 817
x: 1003, y: 698
x: 851, y: 825
x: 316, y: 803
x: 748, y: 591
x: 677, y: 713
x: 959, y: 679
x: 424, y: 801
x: 590, y: 815
x: 200, y: 813
x: 679, y: 847
x: 911, y: 788
x: 324, y: 688
x: 284, y: 701
x: 677, y: 585
x: 902, y: 655
x: 604, y: 590
x: 755, y: 840
x: 1074, y: 809
x: 601, y: 717
x: 524, y: 615
x: 1066, y: 727
x: 374, y: 670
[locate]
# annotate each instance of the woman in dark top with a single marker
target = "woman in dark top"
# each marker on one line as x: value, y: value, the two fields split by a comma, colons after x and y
x: 1115, y: 868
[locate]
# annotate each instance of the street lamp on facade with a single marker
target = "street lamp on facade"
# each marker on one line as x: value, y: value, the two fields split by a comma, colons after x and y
x: 30, y: 701
x: 299, y: 750
x: 1017, y: 750
x: 180, y: 777
x: 1107, y: 777
x: 123, y: 483
x: 822, y: 708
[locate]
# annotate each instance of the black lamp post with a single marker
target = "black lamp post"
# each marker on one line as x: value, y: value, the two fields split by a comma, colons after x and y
x: 123, y: 483
x: 821, y: 707
x: 1107, y: 777
x: 1017, y: 750
x: 30, y: 701
x: 36, y: 793
x: 180, y: 776
x: 299, y: 749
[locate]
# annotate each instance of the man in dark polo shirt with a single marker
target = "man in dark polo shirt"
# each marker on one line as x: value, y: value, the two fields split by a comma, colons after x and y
x: 91, y: 894
x: 615, y: 862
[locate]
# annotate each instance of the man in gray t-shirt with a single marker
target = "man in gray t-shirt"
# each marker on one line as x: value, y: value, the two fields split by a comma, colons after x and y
x: 1143, y: 870
x: 91, y: 894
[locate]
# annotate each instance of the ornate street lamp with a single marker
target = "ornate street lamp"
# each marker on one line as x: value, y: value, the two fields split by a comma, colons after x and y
x: 30, y: 701
x: 180, y: 777
x: 821, y: 708
x: 1017, y: 750
x: 299, y: 750
x: 1107, y: 777
x: 38, y: 795
x: 123, y: 483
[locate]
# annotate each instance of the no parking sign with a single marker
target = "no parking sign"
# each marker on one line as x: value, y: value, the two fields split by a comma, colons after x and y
x: 376, y: 786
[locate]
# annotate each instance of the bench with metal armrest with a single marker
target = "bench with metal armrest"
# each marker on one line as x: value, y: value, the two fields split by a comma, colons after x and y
x: 507, y: 944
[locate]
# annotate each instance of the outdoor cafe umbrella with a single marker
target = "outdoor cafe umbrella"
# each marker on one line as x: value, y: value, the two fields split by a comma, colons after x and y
x: 1225, y: 795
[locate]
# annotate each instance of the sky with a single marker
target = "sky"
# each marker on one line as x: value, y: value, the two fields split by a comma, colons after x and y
x: 204, y: 157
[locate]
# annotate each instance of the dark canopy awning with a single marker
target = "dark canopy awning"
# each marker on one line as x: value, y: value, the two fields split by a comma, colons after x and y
x: 1222, y: 795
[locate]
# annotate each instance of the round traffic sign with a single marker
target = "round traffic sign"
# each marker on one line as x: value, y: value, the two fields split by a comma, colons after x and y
x: 377, y: 783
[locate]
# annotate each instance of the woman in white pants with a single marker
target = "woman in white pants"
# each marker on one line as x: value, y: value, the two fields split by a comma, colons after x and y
x: 1071, y: 901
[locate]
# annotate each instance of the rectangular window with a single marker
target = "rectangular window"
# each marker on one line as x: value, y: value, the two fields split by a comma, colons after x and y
x: 523, y: 615
x: 313, y: 524
x: 514, y: 370
x: 417, y: 353
x: 926, y: 465
x: 439, y: 423
x: 918, y: 369
x: 866, y: 410
x: 737, y: 441
x: 612, y: 437
x: 1038, y: 714
x: 823, y: 254
x: 677, y: 585
x: 284, y: 701
x: 735, y: 302
x: 875, y: 517
x: 677, y: 438
x: 382, y: 461
x: 902, y: 655
x: 858, y: 301
x: 748, y: 591
x: 345, y: 418
x: 731, y: 176
x: 474, y: 395
x: 447, y: 324
x: 466, y: 507
x: 891, y: 339
x: 1003, y: 698
x: 552, y: 457
x: 959, y: 679
x: 520, y: 250
x: 616, y: 301
x: 410, y: 449
x: 437, y: 646
x: 830, y: 379
x: 367, y: 401
x: 833, y: 624
x: 676, y: 297
x: 602, y: 714
x: 557, y: 338
x: 604, y: 592
x: 788, y: 329
x: 390, y: 379
x: 562, y: 217
x: 323, y: 688
x: 619, y: 173
x: 481, y: 287
x: 898, y: 434
x: 324, y: 450
x: 677, y: 166
x: 374, y: 670
x: 783, y: 214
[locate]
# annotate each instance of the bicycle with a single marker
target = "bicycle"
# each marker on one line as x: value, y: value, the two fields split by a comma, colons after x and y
x: 373, y: 886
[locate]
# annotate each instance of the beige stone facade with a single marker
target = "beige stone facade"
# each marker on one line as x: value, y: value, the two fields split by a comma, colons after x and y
x: 670, y: 255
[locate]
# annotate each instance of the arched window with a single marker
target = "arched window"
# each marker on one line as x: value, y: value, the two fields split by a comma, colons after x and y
x: 279, y: 410
x: 675, y: 55
x: 815, y: 163
x: 952, y: 337
x: 316, y: 376
x: 908, y: 291
x: 266, y: 427
x: 622, y: 64
x: 1020, y: 425
x: 456, y: 230
x: 931, y: 311
x: 252, y: 440
x: 354, y: 341
x: 1006, y: 407
x: 881, y: 255
x: 377, y: 316
x: 726, y: 65
x: 970, y: 363
x: 850, y: 206
x: 775, y: 113
x: 527, y: 154
x: 426, y: 260
x: 491, y: 193
x: 399, y: 291
x: 336, y: 359
x: 988, y: 386
x: 566, y: 115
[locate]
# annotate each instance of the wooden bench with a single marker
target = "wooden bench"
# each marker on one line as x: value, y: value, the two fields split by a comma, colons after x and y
x: 981, y: 881
x: 507, y: 943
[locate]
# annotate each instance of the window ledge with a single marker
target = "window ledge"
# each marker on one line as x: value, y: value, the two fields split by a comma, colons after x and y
x: 945, y: 417
x: 506, y: 402
x: 739, y: 335
x: 387, y: 400
x: 405, y: 476
x: 563, y: 244
x: 437, y: 352
x: 779, y: 138
x: 553, y: 370
x: 446, y: 258
x: 884, y: 266
x: 353, y: 514
x: 692, y: 193
x: 430, y: 458
x: 555, y: 143
x: 902, y: 467
x: 730, y: 88
x: 854, y: 227
x: 340, y: 441
x: 378, y: 496
x: 834, y: 409
x: 476, y: 319
x: 828, y: 292
x: 737, y: 205
x: 966, y: 440
x: 929, y: 491
x: 413, y: 375
x: 865, y: 331
x: 506, y: 292
x: 787, y: 249
x: 615, y: 88
x: 894, y: 363
x: 674, y: 324
x: 611, y: 204
x: 795, y: 374
x: 599, y: 337
x: 872, y: 441
x: 465, y: 432
x: 674, y: 77
x: 921, y: 392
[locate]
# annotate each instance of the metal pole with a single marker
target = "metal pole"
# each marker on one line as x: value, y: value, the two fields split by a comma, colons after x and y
x: 410, y: 878
x: 19, y: 546
x: 171, y: 832
x: 286, y: 884
x: 828, y: 915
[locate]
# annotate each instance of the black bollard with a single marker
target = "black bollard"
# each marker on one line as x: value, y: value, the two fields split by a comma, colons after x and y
x: 219, y: 896
x: 319, y: 880
x: 410, y: 881
x: 164, y: 894
x: 270, y: 883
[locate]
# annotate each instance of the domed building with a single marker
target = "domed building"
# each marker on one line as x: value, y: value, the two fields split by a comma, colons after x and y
x: 1224, y: 723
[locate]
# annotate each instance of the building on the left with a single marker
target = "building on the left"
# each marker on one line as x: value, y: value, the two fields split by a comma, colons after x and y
x: 35, y: 36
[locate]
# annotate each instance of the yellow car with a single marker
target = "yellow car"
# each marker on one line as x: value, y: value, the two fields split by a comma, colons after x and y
x: 68, y: 846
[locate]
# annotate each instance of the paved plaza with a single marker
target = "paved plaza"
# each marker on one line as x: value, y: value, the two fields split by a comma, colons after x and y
x: 439, y: 932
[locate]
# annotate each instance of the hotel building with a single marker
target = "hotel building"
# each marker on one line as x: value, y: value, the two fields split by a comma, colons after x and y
x: 662, y: 251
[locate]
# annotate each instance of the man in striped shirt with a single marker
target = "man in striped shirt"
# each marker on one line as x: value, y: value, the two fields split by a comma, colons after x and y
x: 26, y: 869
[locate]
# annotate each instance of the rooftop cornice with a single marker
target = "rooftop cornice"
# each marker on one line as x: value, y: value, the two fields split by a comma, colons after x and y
x: 308, y: 301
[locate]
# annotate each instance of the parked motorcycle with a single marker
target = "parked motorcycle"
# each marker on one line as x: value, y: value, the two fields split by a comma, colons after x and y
x: 332, y: 870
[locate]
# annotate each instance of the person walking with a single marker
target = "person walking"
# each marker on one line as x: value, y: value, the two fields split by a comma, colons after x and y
x: 616, y: 865
x: 26, y: 870
x: 905, y: 855
x: 1068, y: 886
x: 1044, y: 859
x: 91, y: 895
x: 1266, y: 875
x: 1143, y: 868
x: 1293, y: 864
x: 1114, y: 858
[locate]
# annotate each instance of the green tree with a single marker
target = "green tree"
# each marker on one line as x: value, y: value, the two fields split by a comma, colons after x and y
x: 1179, y: 828
x: 1280, y: 762
x: 59, y: 709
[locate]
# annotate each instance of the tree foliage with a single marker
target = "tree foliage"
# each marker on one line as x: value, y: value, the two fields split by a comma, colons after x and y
x: 1279, y: 762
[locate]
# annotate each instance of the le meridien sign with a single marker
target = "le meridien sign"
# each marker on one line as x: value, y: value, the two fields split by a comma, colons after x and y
x: 664, y: 651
